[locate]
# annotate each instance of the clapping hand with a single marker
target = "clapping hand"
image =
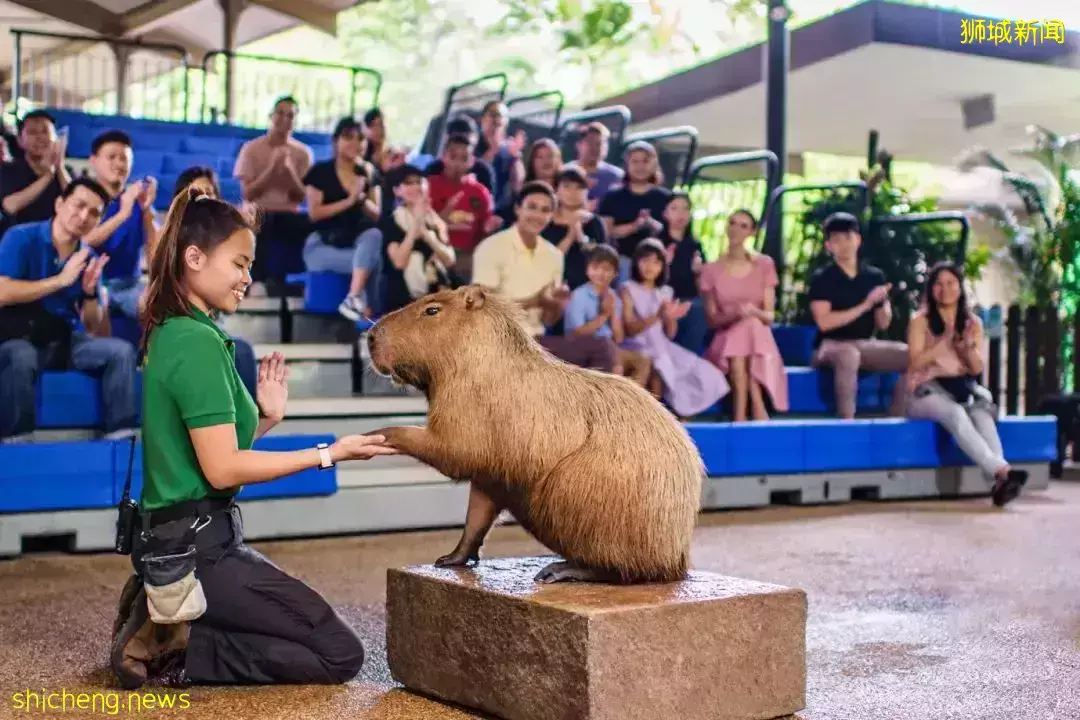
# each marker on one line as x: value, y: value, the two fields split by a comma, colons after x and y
x: 555, y: 294
x: 272, y: 390
x: 131, y: 195
x: 149, y: 192
x: 517, y: 143
x: 879, y: 294
x: 674, y: 310
x: 74, y: 267
x: 607, y: 303
x: 92, y: 274
x: 697, y: 263
x: 58, y: 153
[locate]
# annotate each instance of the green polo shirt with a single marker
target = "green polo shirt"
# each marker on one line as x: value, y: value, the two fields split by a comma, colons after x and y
x: 189, y: 381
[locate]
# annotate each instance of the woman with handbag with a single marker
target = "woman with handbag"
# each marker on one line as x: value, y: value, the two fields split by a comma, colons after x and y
x: 944, y: 365
x: 203, y: 607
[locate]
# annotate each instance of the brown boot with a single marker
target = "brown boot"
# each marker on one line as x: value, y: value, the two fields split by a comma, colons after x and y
x: 140, y: 645
x: 127, y: 600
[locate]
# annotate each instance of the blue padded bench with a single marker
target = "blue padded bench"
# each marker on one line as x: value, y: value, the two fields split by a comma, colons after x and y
x: 307, y: 483
x: 56, y: 476
x: 791, y: 447
x: 812, y: 392
x: 323, y: 291
x: 795, y: 342
x: 72, y: 400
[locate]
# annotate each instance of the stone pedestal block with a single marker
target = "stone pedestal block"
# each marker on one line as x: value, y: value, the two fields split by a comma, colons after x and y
x: 706, y: 648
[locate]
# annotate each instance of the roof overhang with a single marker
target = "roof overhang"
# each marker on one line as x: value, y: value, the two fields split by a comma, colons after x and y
x: 898, y: 69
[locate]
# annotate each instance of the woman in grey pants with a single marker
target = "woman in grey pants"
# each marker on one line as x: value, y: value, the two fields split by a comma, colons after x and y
x: 944, y: 364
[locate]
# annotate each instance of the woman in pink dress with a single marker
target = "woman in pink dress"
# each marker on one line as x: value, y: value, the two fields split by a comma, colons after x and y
x: 651, y: 314
x: 739, y: 290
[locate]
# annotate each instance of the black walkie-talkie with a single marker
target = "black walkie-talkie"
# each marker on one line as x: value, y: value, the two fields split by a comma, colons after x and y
x: 128, y: 511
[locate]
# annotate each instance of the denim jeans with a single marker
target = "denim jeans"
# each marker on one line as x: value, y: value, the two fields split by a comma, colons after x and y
x: 366, y: 254
x: 124, y: 294
x: 110, y: 359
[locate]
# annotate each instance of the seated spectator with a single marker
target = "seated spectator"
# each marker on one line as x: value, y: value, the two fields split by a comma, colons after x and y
x: 524, y: 267
x: 376, y: 149
x: 850, y: 303
x: 418, y: 255
x: 51, y: 315
x: 543, y: 162
x: 465, y: 126
x: 127, y: 228
x: 271, y: 171
x: 462, y: 203
x: 595, y: 310
x: 635, y: 211
x: 944, y: 366
x: 573, y: 228
x: 685, y: 260
x: 739, y: 291
x: 205, y: 181
x: 31, y: 183
x: 592, y: 151
x: 343, y: 202
x: 502, y: 154
x: 689, y: 384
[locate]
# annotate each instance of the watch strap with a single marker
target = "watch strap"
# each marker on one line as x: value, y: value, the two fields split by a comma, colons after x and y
x: 325, y: 461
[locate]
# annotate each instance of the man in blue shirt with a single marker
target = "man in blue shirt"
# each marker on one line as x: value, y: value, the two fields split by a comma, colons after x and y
x: 50, y: 275
x: 127, y: 225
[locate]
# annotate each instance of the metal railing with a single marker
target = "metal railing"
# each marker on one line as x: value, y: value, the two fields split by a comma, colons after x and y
x: 468, y: 98
x: 538, y: 115
x: 615, y: 117
x: 675, y: 149
x: 720, y: 184
x: 244, y: 93
x: 99, y: 75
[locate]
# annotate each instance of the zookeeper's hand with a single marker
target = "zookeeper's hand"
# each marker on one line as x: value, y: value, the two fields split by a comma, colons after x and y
x: 272, y: 390
x: 360, y: 447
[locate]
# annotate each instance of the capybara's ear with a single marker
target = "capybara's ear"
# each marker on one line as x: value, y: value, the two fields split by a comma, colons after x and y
x: 474, y: 297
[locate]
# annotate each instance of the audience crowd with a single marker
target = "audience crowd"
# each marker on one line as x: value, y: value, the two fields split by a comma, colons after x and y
x: 602, y: 259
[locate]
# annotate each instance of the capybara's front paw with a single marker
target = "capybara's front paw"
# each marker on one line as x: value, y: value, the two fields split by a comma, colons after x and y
x: 458, y: 559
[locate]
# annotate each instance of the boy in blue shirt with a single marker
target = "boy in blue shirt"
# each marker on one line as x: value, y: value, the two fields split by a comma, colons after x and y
x: 595, y: 309
x: 51, y: 315
x: 127, y: 226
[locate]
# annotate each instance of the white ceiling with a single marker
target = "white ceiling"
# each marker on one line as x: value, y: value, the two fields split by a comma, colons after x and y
x: 912, y: 96
x: 200, y: 23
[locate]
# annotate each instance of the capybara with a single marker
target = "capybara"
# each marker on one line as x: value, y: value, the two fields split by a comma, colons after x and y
x: 589, y: 463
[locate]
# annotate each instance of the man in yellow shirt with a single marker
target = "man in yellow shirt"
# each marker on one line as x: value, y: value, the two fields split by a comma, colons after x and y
x: 523, y: 266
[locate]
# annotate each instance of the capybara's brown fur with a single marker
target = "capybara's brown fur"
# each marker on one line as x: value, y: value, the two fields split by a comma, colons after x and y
x: 589, y: 463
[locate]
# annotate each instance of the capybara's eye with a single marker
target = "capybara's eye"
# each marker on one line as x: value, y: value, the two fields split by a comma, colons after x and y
x: 433, y: 310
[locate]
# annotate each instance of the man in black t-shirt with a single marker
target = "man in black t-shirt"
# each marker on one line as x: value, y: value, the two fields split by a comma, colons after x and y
x: 850, y: 303
x: 30, y: 185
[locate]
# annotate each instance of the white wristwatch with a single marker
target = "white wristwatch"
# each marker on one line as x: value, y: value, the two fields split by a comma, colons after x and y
x: 325, y: 461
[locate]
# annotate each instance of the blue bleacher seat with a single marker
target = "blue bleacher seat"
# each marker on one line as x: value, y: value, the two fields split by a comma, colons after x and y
x: 210, y: 145
x: 776, y: 446
x: 231, y: 190
x: 152, y: 140
x: 812, y: 392
x: 177, y: 163
x: 899, y: 443
x: 836, y: 445
x: 307, y: 483
x: 323, y: 291
x: 147, y: 162
x: 795, y: 342
x: 166, y: 182
x: 72, y: 400
x: 57, y: 476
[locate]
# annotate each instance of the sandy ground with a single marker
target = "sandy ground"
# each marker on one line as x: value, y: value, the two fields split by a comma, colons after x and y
x: 940, y: 610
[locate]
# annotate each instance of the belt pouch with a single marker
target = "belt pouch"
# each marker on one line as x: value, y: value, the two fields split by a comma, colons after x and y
x: 173, y: 591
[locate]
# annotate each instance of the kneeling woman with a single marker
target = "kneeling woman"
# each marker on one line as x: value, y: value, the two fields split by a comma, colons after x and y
x: 203, y: 607
x: 945, y: 362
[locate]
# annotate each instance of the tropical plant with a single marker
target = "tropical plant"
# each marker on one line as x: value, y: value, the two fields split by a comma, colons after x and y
x: 1043, y: 243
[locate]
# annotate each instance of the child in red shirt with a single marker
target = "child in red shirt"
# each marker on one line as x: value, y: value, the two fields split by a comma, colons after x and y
x: 462, y: 201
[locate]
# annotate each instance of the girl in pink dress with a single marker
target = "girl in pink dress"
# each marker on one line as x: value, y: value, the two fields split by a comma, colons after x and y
x: 689, y: 384
x: 739, y: 293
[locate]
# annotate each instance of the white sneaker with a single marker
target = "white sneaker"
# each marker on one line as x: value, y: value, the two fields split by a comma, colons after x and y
x: 119, y: 434
x: 352, y: 307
